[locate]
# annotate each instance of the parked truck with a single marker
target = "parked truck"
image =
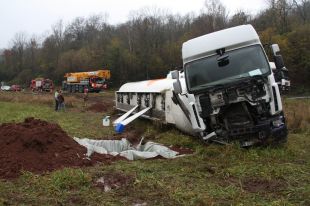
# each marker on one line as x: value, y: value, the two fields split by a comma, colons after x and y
x: 41, y: 84
x: 94, y: 81
x: 225, y: 91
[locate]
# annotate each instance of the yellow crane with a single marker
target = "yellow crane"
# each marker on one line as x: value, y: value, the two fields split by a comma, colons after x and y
x: 94, y: 81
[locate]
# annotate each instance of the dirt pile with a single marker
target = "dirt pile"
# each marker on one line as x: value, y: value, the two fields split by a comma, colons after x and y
x: 39, y: 146
x: 99, y: 107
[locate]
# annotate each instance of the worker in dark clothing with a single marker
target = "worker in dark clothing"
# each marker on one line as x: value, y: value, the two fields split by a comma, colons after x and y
x: 61, y: 101
x: 85, y: 96
x: 56, y: 99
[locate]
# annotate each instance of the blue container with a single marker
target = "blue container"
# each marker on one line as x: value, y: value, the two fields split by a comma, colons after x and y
x: 119, y: 128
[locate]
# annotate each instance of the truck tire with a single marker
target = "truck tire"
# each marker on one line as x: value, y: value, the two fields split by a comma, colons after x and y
x: 73, y: 88
x: 65, y: 87
x: 81, y: 88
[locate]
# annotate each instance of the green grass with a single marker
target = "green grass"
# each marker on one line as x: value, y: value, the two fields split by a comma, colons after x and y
x: 213, y: 175
x: 81, y: 124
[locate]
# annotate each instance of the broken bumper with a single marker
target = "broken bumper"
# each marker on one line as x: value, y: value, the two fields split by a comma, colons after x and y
x: 274, y: 127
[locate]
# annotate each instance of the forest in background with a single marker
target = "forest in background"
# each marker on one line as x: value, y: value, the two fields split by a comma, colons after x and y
x: 149, y: 44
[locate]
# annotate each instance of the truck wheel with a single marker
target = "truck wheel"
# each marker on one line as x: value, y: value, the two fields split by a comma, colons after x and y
x: 70, y: 88
x: 81, y: 89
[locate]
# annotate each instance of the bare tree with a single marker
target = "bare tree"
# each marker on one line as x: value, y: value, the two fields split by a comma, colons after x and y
x: 19, y: 43
x: 280, y: 10
x: 303, y: 9
x: 32, y: 46
x: 58, y: 37
x: 239, y: 18
x: 217, y: 14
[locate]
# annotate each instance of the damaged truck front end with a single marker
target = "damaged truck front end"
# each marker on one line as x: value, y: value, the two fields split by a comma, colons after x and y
x: 234, y: 90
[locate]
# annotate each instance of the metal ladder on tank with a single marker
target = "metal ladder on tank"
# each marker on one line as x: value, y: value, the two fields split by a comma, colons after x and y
x: 122, y: 121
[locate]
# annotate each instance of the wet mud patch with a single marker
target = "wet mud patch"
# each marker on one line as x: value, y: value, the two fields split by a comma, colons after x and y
x: 113, y: 180
x: 181, y: 150
x: 98, y: 107
x: 256, y: 185
x: 264, y: 186
x: 101, y: 107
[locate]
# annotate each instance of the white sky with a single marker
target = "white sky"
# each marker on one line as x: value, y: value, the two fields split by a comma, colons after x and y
x: 37, y: 16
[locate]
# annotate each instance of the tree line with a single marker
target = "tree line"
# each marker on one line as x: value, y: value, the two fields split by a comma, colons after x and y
x: 149, y: 43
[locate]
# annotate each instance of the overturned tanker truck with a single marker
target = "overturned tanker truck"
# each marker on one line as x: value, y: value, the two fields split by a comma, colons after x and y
x: 225, y: 91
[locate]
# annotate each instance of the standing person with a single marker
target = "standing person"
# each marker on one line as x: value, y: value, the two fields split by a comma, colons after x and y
x: 85, y: 96
x: 56, y: 99
x: 61, y: 101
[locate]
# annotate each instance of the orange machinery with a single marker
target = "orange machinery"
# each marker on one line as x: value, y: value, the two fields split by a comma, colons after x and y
x: 94, y: 81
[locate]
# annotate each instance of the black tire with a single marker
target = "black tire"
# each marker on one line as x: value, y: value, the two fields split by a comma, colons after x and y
x: 81, y: 88
x: 65, y: 87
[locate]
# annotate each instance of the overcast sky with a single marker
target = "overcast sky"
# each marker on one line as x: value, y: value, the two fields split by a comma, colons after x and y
x: 37, y: 16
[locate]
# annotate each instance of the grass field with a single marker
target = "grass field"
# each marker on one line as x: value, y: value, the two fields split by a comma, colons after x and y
x: 213, y: 175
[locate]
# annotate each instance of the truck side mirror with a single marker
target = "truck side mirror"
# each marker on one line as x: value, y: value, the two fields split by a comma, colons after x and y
x: 177, y: 87
x: 278, y: 60
x: 175, y: 74
x: 275, y: 49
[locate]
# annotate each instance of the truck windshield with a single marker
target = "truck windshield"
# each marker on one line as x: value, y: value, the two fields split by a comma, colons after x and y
x: 208, y: 72
x: 98, y: 80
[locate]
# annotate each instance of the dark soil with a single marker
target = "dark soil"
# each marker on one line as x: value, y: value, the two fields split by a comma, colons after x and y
x: 181, y: 150
x: 132, y: 135
x: 257, y: 185
x: 38, y: 146
x: 113, y: 180
x: 99, y: 107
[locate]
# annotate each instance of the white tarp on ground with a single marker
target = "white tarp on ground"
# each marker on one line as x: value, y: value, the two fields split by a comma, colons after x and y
x: 125, y: 149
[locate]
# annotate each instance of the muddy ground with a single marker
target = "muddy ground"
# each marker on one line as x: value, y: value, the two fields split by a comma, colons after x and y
x: 39, y: 146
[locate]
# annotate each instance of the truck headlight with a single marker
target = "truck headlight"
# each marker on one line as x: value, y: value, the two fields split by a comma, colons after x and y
x: 278, y: 123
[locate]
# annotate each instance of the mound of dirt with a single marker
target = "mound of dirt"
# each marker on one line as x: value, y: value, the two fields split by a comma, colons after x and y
x: 39, y: 146
x: 99, y: 107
